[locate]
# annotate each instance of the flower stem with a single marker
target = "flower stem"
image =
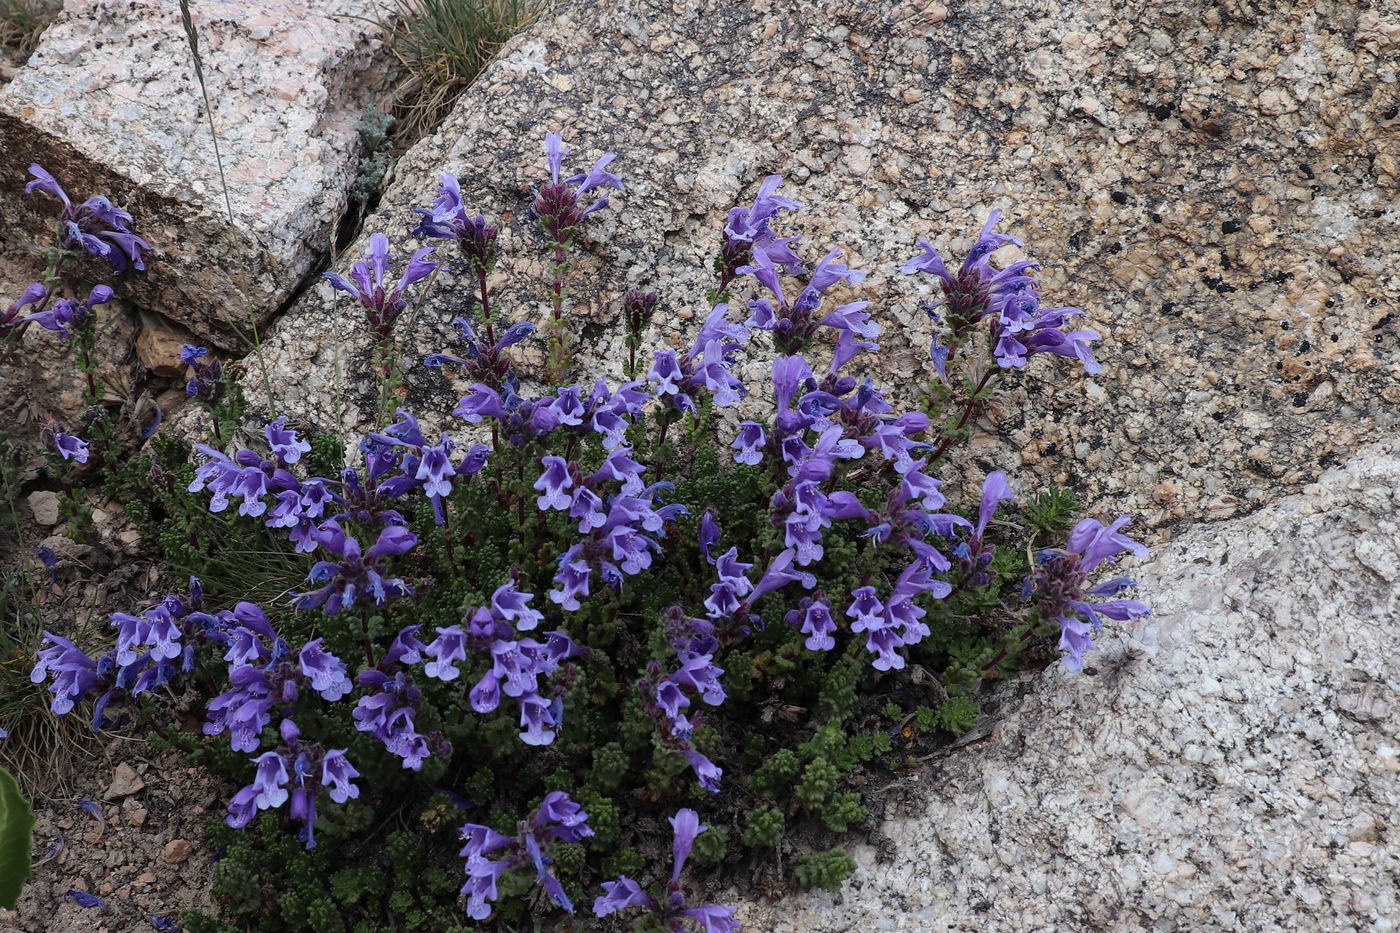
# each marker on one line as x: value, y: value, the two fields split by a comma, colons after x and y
x: 951, y: 437
x: 364, y: 636
x: 485, y: 305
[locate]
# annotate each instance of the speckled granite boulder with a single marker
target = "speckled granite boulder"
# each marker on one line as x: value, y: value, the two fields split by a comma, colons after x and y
x: 1216, y: 189
x: 1232, y: 764
x: 109, y: 103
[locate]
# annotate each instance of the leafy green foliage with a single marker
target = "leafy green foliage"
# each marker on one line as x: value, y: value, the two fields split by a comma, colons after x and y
x: 957, y: 714
x: 16, y: 827
x: 825, y: 870
x: 1051, y: 511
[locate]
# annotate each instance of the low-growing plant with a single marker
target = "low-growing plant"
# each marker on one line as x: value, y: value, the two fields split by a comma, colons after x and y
x: 16, y: 827
x: 442, y: 45
x: 22, y: 22
x: 489, y: 666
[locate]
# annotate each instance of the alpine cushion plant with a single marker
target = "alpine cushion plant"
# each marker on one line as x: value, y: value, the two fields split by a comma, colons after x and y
x: 533, y: 636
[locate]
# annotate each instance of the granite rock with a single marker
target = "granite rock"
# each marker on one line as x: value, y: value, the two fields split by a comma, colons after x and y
x: 44, y: 506
x: 1230, y: 763
x: 109, y: 104
x: 1216, y: 190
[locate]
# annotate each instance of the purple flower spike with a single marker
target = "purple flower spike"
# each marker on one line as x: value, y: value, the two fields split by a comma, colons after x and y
x: 366, y: 282
x: 449, y: 219
x: 557, y: 206
x: 489, y: 855
x: 96, y: 225
x: 1058, y: 586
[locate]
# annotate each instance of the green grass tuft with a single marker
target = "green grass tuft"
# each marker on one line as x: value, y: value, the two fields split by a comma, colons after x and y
x: 443, y: 45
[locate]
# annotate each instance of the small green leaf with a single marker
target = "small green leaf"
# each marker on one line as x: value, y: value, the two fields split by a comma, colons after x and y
x: 16, y: 825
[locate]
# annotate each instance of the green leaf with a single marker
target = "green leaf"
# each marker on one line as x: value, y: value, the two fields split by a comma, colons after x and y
x: 16, y: 825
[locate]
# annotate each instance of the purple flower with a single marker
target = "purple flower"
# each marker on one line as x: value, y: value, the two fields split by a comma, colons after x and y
x: 1096, y: 543
x: 325, y: 671
x: 337, y: 773
x: 270, y: 781
x: 572, y: 579
x: 709, y: 534
x: 1046, y: 333
x: 206, y: 381
x: 596, y: 177
x: 553, y: 484
x: 70, y: 447
x: 356, y: 574
x: 95, y: 225
x: 1058, y: 586
x: 620, y: 466
x: 996, y: 489
x: 514, y: 606
x: 367, y: 286
x: 284, y: 443
x: 67, y: 313
x: 749, y: 443
x: 622, y: 894
x: 670, y: 911
x: 750, y: 225
x: 444, y: 652
x: 707, y: 773
x: 1020, y: 327
x: 813, y: 616
x: 727, y: 595
x: 700, y: 675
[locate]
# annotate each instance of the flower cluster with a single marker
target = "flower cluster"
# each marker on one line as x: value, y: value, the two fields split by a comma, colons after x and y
x: 95, y: 225
x: 748, y: 230
x: 298, y: 772
x: 705, y: 370
x: 151, y: 650
x: 449, y: 219
x: 206, y: 380
x: 1020, y: 327
x: 489, y: 855
x: 621, y: 527
x: 1058, y: 585
x: 63, y: 315
x: 367, y: 283
x: 517, y: 664
x: 388, y: 707
x: 558, y: 205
